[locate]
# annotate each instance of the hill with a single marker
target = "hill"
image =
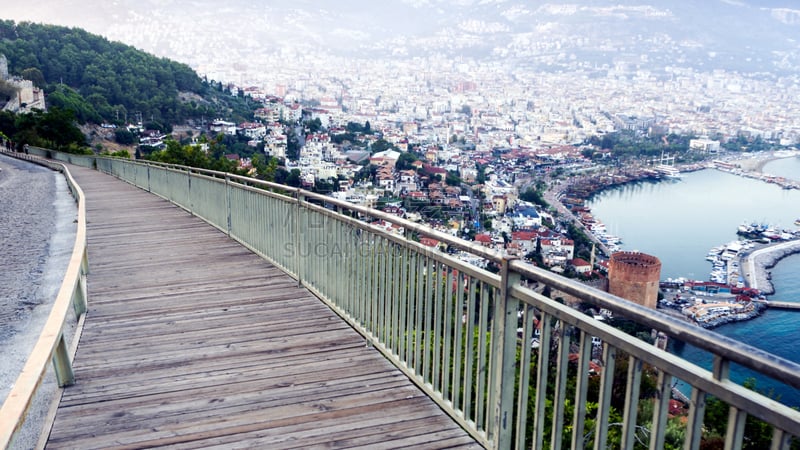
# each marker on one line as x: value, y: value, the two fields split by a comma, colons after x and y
x: 742, y: 35
x: 104, y: 81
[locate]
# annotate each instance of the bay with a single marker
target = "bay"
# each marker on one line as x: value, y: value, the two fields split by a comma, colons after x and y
x: 679, y: 221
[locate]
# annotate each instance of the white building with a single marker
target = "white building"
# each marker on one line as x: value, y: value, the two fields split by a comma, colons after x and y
x: 704, y: 145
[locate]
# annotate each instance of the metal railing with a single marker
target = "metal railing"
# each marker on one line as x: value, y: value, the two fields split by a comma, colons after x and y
x: 51, y: 345
x: 464, y: 335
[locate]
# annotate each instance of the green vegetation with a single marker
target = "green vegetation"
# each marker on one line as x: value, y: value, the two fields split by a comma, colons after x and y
x: 405, y: 161
x: 53, y: 129
x: 381, y: 145
x: 629, y: 144
x: 193, y: 156
x: 355, y: 128
x: 108, y: 81
x: 535, y: 195
x: 744, y: 143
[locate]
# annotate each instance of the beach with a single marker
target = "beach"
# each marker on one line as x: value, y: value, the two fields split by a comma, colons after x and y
x: 757, y: 163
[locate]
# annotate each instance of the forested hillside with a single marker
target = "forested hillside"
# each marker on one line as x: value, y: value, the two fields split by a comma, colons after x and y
x: 103, y: 81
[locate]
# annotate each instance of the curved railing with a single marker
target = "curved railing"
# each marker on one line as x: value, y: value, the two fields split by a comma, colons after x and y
x: 507, y: 363
x: 51, y: 345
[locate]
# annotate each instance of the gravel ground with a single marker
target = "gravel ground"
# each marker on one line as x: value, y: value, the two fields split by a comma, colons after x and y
x: 36, y: 238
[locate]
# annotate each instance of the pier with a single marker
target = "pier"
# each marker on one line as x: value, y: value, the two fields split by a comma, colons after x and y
x: 754, y: 265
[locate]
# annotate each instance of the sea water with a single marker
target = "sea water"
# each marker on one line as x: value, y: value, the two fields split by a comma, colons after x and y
x: 679, y: 221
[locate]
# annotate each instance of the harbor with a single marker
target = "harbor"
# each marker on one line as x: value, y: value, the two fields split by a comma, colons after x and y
x: 739, y: 280
x: 680, y: 222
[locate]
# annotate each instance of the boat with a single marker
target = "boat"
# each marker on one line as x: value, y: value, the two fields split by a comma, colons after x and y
x: 797, y: 222
x: 668, y: 171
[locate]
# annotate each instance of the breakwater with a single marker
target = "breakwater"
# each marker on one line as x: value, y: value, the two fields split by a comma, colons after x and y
x: 757, y: 263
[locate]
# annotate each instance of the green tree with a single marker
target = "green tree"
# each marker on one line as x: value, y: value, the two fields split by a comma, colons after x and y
x: 35, y: 75
x: 452, y: 178
x: 124, y: 137
x: 294, y: 178
x: 54, y: 129
x: 405, y: 160
x: 381, y: 145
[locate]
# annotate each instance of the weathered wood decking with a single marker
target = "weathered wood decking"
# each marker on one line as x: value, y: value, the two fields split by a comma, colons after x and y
x: 193, y: 341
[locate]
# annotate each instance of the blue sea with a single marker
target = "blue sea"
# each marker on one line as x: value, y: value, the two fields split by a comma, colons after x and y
x: 679, y: 221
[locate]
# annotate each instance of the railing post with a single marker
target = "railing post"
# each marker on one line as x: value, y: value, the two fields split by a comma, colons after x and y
x: 504, y: 350
x: 189, y: 197
x: 298, y: 230
x: 79, y: 296
x: 228, y: 201
x: 62, y: 364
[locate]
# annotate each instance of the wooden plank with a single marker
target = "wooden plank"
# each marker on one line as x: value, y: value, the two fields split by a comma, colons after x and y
x: 192, y: 340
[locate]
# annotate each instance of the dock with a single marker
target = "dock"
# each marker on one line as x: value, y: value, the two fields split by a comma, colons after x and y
x: 192, y: 340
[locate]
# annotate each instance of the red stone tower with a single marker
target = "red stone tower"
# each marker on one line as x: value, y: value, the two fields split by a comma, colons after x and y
x: 634, y: 276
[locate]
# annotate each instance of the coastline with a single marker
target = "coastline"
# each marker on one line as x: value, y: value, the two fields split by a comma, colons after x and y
x: 754, y: 165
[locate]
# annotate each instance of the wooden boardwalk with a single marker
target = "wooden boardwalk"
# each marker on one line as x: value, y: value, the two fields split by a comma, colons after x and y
x: 193, y: 341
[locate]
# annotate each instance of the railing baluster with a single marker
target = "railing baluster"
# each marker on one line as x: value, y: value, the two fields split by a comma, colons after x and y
x: 401, y: 324
x: 694, y: 426
x: 581, y: 389
x: 781, y: 440
x: 375, y: 301
x: 419, y: 324
x: 560, y: 395
x: 458, y: 339
x: 396, y: 281
x: 410, y: 324
x: 428, y: 317
x: 631, y: 402
x: 660, y: 410
x: 386, y: 291
x: 448, y: 334
x: 542, y: 370
x: 437, y: 328
x: 524, y: 374
x: 356, y: 275
x: 361, y: 281
x: 735, y: 433
x: 606, y: 384
x: 469, y: 359
x: 482, y: 418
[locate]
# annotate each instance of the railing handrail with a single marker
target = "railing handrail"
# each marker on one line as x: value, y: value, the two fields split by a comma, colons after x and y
x: 20, y: 397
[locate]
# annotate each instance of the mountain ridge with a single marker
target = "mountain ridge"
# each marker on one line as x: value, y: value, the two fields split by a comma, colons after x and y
x: 709, y: 34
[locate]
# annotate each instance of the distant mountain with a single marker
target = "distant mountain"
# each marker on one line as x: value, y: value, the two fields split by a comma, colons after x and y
x: 108, y: 81
x: 750, y: 35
